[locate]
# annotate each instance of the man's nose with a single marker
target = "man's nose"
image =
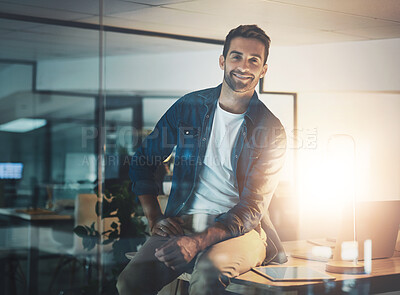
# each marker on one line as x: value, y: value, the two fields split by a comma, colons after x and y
x: 244, y: 66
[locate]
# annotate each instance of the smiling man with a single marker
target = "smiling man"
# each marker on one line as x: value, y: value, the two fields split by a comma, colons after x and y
x: 229, y: 151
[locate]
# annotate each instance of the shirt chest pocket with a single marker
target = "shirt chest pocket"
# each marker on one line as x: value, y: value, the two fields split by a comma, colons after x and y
x: 188, y: 136
x: 251, y: 153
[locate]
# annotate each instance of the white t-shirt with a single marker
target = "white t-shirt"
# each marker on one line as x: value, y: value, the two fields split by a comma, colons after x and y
x: 216, y: 191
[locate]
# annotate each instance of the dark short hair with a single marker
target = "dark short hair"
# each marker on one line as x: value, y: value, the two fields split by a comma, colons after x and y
x: 247, y: 31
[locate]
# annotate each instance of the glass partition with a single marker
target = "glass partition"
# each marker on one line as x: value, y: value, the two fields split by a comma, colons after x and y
x: 45, y: 133
x: 48, y: 148
x: 75, y: 100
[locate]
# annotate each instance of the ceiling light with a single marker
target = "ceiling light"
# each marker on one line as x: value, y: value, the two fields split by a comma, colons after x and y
x: 23, y: 125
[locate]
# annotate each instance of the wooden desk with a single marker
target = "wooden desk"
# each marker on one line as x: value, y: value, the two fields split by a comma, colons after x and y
x: 34, y: 222
x: 385, y: 277
x: 12, y: 212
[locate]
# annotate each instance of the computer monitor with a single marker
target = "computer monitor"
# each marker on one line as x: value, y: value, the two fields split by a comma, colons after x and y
x: 377, y: 221
x: 11, y: 170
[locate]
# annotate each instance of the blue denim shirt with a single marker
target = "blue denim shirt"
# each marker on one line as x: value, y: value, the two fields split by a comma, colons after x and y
x: 257, y: 157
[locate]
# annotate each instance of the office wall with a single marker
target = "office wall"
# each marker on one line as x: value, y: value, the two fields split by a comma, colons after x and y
x: 349, y: 66
x: 173, y: 72
x: 21, y: 78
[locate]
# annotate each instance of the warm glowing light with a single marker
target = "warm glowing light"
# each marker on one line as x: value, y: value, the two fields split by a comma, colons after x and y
x: 349, y: 250
x: 368, y: 256
x: 326, y: 183
x: 341, y: 165
x: 321, y: 251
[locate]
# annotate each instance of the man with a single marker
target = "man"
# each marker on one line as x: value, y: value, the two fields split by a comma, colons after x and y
x: 229, y: 150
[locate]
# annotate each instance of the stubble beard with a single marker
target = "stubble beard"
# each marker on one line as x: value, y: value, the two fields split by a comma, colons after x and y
x: 237, y: 86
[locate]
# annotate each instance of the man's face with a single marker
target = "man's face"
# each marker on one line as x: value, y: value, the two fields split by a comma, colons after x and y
x: 244, y: 64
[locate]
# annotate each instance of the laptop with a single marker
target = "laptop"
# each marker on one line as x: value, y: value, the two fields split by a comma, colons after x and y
x: 377, y: 221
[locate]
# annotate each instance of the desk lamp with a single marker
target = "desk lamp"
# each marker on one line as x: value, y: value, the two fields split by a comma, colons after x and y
x: 341, y: 157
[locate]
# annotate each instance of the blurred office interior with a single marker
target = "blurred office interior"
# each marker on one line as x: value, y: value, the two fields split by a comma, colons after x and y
x: 82, y: 82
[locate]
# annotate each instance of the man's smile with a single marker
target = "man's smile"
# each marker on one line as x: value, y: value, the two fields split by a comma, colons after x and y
x: 242, y: 76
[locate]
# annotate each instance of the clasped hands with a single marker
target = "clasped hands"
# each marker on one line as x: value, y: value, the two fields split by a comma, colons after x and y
x: 180, y: 249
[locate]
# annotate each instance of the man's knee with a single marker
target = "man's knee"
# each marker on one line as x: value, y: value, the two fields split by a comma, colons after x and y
x: 207, y: 279
x: 123, y: 284
x: 129, y: 284
x: 126, y: 284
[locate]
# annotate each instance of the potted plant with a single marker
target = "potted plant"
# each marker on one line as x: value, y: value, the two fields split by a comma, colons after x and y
x: 125, y: 235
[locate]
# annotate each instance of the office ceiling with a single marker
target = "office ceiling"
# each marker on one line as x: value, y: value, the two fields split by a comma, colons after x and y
x: 288, y: 22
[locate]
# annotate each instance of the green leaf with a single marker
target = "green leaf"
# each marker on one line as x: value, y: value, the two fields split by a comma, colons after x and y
x: 113, y: 235
x: 114, y: 225
x: 81, y: 231
x: 88, y: 243
x: 107, y: 195
x: 114, y: 204
x: 108, y: 208
x: 109, y: 241
x: 92, y: 226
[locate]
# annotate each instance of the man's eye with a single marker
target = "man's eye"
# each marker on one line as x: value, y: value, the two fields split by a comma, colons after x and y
x: 254, y: 60
x: 236, y: 57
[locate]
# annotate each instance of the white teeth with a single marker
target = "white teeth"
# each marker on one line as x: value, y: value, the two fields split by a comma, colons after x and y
x: 240, y: 76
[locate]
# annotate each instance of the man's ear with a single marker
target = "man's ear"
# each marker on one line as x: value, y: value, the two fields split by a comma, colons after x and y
x: 221, y: 62
x: 264, y: 71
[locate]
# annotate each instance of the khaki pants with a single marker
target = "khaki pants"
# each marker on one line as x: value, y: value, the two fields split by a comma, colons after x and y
x: 211, y: 269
